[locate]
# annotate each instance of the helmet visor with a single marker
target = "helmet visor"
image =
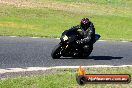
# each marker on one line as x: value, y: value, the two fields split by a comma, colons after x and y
x: 84, y: 26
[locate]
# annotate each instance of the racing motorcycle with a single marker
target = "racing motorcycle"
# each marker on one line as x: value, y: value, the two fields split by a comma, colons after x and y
x: 68, y: 47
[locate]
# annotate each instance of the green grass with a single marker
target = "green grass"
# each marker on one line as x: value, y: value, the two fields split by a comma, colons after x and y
x: 118, y: 2
x: 65, y: 78
x: 48, y: 81
x: 112, y: 20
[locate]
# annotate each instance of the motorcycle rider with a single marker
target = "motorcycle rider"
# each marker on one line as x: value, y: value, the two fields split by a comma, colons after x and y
x: 88, y: 33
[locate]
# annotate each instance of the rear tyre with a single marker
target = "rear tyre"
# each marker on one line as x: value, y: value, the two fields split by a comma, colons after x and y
x: 55, y: 54
x: 87, y: 51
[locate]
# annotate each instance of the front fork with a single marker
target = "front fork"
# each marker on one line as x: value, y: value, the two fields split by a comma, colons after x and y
x: 63, y: 48
x: 67, y: 51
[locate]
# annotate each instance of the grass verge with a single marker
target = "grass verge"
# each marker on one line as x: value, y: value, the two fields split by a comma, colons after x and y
x: 49, y: 18
x: 65, y: 78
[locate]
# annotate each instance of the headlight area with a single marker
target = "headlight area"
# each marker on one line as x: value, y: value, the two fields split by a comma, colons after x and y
x: 65, y: 38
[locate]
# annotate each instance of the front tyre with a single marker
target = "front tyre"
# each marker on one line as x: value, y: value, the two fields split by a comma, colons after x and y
x: 55, y: 54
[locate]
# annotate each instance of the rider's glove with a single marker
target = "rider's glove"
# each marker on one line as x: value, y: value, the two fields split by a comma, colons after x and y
x: 85, y: 40
x: 79, y: 42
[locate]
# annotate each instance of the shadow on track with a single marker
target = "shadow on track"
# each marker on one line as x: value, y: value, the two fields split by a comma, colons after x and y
x: 103, y: 57
x: 95, y: 57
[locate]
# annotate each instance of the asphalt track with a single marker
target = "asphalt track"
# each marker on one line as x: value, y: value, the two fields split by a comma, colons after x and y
x: 22, y: 52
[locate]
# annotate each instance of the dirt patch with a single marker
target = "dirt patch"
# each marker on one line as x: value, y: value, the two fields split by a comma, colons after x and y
x: 83, y: 8
x: 28, y: 73
x: 38, y: 4
x: 15, y: 25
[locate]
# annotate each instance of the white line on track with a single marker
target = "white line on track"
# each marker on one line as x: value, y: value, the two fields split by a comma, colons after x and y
x: 34, y: 37
x: 102, y: 40
x: 124, y: 41
x: 10, y: 70
x: 12, y: 36
x: 57, y: 38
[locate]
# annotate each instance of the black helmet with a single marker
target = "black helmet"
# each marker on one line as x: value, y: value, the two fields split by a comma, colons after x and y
x: 84, y: 24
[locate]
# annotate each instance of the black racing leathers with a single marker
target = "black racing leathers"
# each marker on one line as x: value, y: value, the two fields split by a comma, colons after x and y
x: 88, y: 35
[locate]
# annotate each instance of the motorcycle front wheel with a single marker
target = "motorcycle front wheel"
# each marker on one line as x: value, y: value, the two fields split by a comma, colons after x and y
x: 56, y: 52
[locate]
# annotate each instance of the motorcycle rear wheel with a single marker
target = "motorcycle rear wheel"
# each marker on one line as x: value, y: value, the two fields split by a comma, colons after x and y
x: 86, y: 54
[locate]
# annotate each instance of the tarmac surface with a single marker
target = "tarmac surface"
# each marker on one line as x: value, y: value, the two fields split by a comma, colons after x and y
x: 23, y: 52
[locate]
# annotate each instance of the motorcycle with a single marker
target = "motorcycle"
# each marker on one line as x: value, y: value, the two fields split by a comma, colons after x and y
x: 68, y: 46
